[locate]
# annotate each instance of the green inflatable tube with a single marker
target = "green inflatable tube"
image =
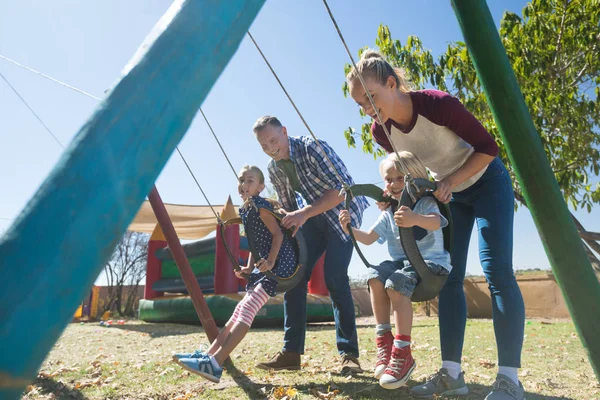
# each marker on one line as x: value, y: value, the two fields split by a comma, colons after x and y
x: 179, y: 309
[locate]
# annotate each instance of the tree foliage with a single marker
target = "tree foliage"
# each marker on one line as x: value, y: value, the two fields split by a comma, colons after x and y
x: 554, y: 49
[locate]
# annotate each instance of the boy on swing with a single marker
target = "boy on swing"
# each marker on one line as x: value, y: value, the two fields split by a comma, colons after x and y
x: 395, y: 280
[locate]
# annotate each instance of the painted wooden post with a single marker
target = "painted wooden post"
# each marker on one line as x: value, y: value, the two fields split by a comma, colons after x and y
x: 225, y: 279
x: 183, y: 265
x: 51, y: 255
x: 153, y: 264
x: 563, y: 246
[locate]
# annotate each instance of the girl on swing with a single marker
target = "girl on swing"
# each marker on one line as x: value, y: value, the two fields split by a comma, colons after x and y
x: 277, y: 254
x: 394, y: 281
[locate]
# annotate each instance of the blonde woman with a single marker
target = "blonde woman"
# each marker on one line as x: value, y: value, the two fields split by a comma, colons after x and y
x: 462, y: 157
x: 395, y: 280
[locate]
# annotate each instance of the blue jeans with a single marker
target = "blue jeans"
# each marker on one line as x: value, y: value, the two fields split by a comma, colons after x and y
x: 321, y: 237
x: 490, y: 202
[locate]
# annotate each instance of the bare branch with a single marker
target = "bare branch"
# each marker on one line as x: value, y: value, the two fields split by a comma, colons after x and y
x: 560, y: 33
x: 593, y: 245
x: 573, y: 163
x: 575, y: 81
x: 593, y: 260
x: 590, y: 235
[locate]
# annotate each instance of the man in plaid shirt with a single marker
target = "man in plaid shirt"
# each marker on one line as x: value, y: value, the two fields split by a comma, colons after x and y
x: 301, y: 169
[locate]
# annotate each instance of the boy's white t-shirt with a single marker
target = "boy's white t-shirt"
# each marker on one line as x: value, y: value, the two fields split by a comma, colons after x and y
x: 431, y: 245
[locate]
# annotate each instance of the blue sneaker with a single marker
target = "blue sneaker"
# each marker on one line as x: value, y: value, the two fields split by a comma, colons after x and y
x: 203, y: 367
x: 195, y: 354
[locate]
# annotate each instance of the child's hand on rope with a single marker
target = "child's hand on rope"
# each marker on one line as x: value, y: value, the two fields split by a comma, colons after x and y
x: 405, y: 217
x: 243, y: 270
x: 344, y: 218
x: 382, y: 205
x: 264, y: 265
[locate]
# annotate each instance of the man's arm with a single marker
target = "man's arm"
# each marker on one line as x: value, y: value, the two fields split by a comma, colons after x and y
x: 329, y: 200
x: 296, y: 219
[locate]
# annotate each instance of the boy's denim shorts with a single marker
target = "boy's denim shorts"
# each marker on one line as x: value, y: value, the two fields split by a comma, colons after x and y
x: 401, y: 276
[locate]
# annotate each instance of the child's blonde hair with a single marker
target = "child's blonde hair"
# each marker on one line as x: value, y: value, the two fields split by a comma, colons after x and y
x: 406, y: 163
x: 252, y: 168
x: 261, y: 179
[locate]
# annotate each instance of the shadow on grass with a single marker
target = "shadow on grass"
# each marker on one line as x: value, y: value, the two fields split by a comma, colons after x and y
x: 160, y: 329
x: 356, y: 387
x: 47, y: 386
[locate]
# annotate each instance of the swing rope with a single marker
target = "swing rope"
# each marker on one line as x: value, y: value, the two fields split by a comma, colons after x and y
x: 49, y: 77
x: 32, y: 111
x: 362, y: 81
x: 218, y: 218
x: 98, y: 98
x: 219, y: 143
x: 345, y: 186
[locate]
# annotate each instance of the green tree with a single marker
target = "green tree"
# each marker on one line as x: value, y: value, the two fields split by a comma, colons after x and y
x: 554, y: 49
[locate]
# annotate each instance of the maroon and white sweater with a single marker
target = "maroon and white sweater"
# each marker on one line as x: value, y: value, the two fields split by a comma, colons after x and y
x: 442, y: 134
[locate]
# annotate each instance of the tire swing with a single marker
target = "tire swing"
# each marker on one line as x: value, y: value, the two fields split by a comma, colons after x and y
x: 429, y: 285
x: 298, y: 242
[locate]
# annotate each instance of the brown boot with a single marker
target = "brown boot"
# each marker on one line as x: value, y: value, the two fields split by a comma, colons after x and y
x: 350, y: 365
x: 282, y: 360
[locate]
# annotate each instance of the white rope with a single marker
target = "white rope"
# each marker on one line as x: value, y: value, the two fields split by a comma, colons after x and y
x: 362, y: 81
x: 98, y: 98
x: 344, y: 184
x: 32, y: 111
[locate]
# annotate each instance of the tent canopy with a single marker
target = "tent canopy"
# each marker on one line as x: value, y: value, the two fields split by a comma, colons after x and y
x: 190, y: 222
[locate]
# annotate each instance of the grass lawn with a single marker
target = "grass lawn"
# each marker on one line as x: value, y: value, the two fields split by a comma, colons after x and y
x: 133, y: 362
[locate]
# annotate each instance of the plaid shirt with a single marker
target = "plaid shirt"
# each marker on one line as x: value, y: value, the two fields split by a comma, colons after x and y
x: 316, y: 177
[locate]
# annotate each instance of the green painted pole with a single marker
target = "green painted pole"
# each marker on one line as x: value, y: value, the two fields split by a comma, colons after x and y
x: 54, y: 251
x: 570, y: 265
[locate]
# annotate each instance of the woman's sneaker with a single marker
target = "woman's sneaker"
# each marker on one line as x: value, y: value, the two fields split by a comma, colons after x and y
x: 505, y: 389
x: 385, y: 343
x: 203, y: 367
x: 441, y: 384
x: 398, y: 371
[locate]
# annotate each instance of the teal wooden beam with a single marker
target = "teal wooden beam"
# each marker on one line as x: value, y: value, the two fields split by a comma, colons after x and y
x: 52, y: 254
x: 562, y: 243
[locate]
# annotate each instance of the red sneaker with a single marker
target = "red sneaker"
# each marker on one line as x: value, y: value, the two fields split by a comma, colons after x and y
x: 385, y: 343
x: 398, y: 371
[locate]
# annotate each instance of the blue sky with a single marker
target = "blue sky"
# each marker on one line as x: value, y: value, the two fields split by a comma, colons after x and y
x: 86, y: 44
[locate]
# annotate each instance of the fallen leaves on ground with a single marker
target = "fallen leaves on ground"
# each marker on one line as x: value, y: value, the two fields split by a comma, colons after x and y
x: 166, y: 371
x: 88, y: 383
x: 183, y: 396
x: 283, y: 393
x: 323, y: 393
x: 487, y: 363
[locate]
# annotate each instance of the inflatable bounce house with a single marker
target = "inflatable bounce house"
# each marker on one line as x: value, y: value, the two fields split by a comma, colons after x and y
x: 165, y: 294
x: 88, y: 308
